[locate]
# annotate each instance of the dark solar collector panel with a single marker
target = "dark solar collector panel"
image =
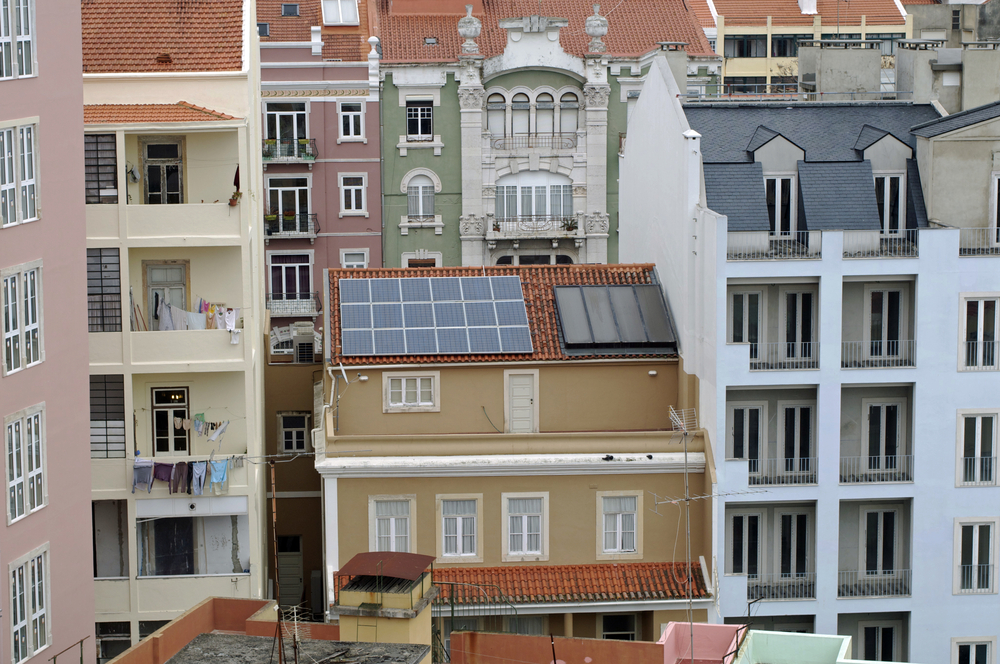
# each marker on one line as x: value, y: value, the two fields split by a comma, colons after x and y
x: 614, y: 316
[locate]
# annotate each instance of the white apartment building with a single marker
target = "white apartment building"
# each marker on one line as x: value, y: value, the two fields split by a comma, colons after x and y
x: 835, y: 274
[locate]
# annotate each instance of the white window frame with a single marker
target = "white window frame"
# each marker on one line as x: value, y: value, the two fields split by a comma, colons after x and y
x: 304, y: 252
x: 31, y: 610
x: 994, y: 205
x: 733, y: 406
x: 900, y: 229
x: 994, y: 522
x: 793, y: 204
x: 798, y: 290
x: 19, y: 169
x: 27, y: 428
x: 619, y: 555
x: 330, y: 19
x: 866, y: 404
x: 172, y: 436
x: 989, y: 641
x: 897, y: 637
x: 965, y: 298
x: 477, y: 555
x: 411, y: 498
x: 761, y: 315
x: 977, y: 413
x: 420, y: 118
x: 762, y: 558
x: 345, y: 212
x: 780, y: 450
x: 282, y: 429
x: 360, y: 137
x: 276, y: 114
x: 905, y: 335
x: 23, y: 329
x: 11, y: 38
x: 863, y: 541
x: 344, y: 263
x: 636, y: 635
x: 810, y: 544
x: 289, y: 176
x: 389, y: 407
x: 518, y: 556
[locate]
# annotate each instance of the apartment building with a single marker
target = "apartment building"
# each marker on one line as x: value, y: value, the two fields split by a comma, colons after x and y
x: 47, y: 591
x: 835, y: 294
x: 321, y: 209
x: 956, y: 22
x: 176, y: 309
x: 499, y: 420
x: 502, y: 149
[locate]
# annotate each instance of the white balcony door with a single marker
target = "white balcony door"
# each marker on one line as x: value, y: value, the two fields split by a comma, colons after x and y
x: 979, y: 451
x: 886, y: 311
x: 745, y: 532
x: 977, y: 557
x: 884, y: 437
x: 799, y: 315
x: 879, y: 643
x: 981, y: 324
x: 746, y: 318
x: 166, y: 284
x: 889, y: 196
x: 780, y: 195
x: 286, y: 120
x: 793, y: 545
x: 291, y: 277
x: 745, y: 431
x: 289, y: 199
x: 880, y: 527
x: 797, y: 433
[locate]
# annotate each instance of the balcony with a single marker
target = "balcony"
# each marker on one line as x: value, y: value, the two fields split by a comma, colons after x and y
x: 555, y: 141
x: 979, y: 242
x: 782, y: 586
x: 763, y: 245
x: 979, y: 471
x: 290, y: 226
x: 980, y: 356
x: 975, y: 579
x: 782, y: 472
x: 289, y: 151
x: 860, y: 583
x: 783, y: 356
x: 878, y: 354
x: 293, y: 304
x: 876, y: 244
x: 535, y: 226
x: 876, y: 469
x: 206, y: 349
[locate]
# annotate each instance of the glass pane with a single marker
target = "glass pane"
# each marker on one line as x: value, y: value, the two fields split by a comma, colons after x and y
x: 786, y: 205
x: 888, y: 541
x: 738, y: 318
x: 738, y: 545
x: 738, y: 433
x: 752, y: 544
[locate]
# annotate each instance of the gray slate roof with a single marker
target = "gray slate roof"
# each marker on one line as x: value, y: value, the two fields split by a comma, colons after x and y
x: 916, y: 211
x: 957, y: 120
x: 737, y: 191
x: 868, y: 136
x: 838, y: 196
x: 760, y: 137
x: 826, y: 131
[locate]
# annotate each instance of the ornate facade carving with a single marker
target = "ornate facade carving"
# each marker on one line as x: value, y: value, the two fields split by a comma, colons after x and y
x: 489, y: 192
x: 596, y: 96
x: 596, y: 26
x: 315, y: 93
x: 598, y: 223
x: 579, y: 191
x: 469, y: 28
x: 471, y: 224
x: 471, y: 98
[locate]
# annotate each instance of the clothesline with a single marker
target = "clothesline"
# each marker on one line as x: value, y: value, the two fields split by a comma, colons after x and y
x: 206, y: 317
x: 185, y: 477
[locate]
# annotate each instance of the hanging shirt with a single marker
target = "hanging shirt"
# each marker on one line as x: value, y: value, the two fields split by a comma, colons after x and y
x: 165, y: 319
x: 218, y: 432
x: 179, y: 317
x: 220, y: 476
x: 163, y: 472
x: 142, y: 475
x: 195, y: 320
x: 198, y: 469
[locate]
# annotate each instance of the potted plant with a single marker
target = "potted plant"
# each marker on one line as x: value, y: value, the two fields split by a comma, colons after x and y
x: 289, y: 215
x: 570, y: 224
x: 269, y: 145
x: 234, y: 200
x: 496, y: 226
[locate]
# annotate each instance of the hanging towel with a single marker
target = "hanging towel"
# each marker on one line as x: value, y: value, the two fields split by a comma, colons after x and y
x: 187, y: 425
x: 142, y: 475
x: 198, y: 469
x: 210, y: 317
x: 166, y: 322
x: 234, y: 337
x: 195, y: 320
x: 180, y: 479
x: 220, y: 318
x: 179, y: 317
x: 218, y: 432
x: 220, y: 476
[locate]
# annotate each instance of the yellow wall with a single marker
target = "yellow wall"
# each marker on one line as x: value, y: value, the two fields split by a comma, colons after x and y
x: 208, y: 170
x: 214, y: 274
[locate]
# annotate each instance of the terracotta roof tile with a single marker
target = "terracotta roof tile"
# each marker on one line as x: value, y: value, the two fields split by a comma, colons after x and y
x: 531, y: 584
x: 703, y: 12
x: 289, y: 28
x: 135, y: 35
x: 635, y: 28
x: 537, y: 283
x: 130, y: 113
x: 787, y: 12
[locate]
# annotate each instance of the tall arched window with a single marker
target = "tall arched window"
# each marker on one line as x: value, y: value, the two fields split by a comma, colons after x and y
x: 420, y: 197
x: 544, y: 113
x: 536, y: 194
x: 569, y: 108
x: 520, y: 113
x: 496, y: 115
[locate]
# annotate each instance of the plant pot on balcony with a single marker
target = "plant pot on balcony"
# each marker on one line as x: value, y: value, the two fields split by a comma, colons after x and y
x: 270, y: 217
x: 570, y: 225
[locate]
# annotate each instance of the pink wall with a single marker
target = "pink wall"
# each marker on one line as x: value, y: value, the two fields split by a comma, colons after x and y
x: 483, y: 648
x: 711, y: 643
x: 60, y: 381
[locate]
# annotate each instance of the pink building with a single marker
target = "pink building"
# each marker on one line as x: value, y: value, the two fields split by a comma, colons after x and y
x: 45, y: 554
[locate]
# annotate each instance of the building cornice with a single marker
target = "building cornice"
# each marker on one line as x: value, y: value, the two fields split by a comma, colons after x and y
x: 577, y: 607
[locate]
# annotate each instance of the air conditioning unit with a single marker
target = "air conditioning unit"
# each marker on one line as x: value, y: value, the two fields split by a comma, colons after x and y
x: 303, y: 342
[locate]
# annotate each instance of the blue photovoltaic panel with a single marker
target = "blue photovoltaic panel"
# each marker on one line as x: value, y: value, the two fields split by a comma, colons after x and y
x: 432, y: 315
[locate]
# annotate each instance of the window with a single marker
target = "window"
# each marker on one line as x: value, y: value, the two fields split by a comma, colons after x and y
x: 107, y: 417
x: 289, y: 9
x: 784, y: 46
x: 744, y: 84
x: 885, y: 325
x: 619, y: 626
x: 29, y: 603
x: 956, y: 19
x: 113, y: 638
x: 420, y: 197
x: 352, y: 120
x: 745, y: 46
x: 975, y: 551
x: 420, y: 120
x: 520, y: 113
x: 288, y: 206
x: 353, y: 258
x: 879, y: 642
x: 798, y: 313
x: 167, y: 286
x: 784, y: 84
x: 100, y: 160
x: 392, y: 524
x: 889, y: 40
x: 163, y: 164
x: 17, y: 56
x: 544, y: 113
x: 340, y: 12
x: 104, y: 299
x: 291, y: 279
x: 496, y: 115
x: 535, y: 195
x: 459, y: 516
x: 293, y: 430
x: 795, y: 437
x: 746, y: 432
x: 411, y: 392
x: 973, y: 650
x: 793, y: 544
x: 978, y: 450
x: 745, y: 314
x: 285, y: 120
x: 18, y: 184
x: 352, y: 194
x: 780, y: 195
x: 263, y: 29
x: 879, y: 531
x: 22, y: 307
x: 889, y: 197
x: 24, y: 438
x: 744, y: 531
x: 525, y: 526
x: 170, y: 408
x: 569, y: 110
x: 981, y: 324
x: 619, y: 523
x: 884, y: 432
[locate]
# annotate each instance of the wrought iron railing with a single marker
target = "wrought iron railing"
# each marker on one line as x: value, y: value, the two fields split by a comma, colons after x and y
x: 876, y: 469
x: 764, y: 245
x: 784, y: 355
x: 980, y: 356
x: 777, y: 472
x: 878, y: 354
x: 289, y: 149
x: 529, y: 225
x: 979, y: 242
x: 782, y: 586
x: 557, y: 141
x: 876, y: 244
x: 291, y: 225
x: 875, y: 583
x: 293, y: 304
x: 979, y: 471
x: 976, y: 578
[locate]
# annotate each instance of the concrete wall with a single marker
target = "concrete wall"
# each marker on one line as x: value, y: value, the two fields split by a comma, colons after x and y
x: 981, y: 80
x: 955, y: 171
x: 854, y: 413
x: 481, y: 648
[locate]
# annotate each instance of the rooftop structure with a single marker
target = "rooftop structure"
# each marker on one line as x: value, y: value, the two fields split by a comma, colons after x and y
x: 260, y: 650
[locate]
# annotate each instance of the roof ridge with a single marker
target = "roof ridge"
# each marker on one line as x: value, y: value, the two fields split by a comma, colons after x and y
x: 952, y: 116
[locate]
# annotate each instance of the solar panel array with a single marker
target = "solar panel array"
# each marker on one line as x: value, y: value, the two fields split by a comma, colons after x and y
x: 432, y: 315
x: 614, y: 316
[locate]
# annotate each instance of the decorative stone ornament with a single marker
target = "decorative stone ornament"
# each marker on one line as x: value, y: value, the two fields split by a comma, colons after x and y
x: 469, y: 28
x: 596, y: 26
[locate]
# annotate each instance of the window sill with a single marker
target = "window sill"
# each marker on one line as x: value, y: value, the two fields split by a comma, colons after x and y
x: 634, y: 555
x: 405, y: 224
x: 352, y: 139
x: 190, y: 576
x: 359, y: 213
x: 405, y: 143
x: 411, y: 409
x: 459, y: 559
x: 525, y: 558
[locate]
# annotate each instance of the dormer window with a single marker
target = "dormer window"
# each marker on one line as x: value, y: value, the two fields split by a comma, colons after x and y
x: 340, y: 12
x: 288, y: 9
x: 780, y: 195
x: 889, y: 197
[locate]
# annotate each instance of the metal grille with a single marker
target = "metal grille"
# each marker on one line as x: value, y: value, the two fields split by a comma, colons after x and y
x: 104, y: 297
x: 100, y: 168
x: 107, y: 417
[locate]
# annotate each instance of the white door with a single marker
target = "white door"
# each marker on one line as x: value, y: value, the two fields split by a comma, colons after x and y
x: 290, y: 569
x: 521, y: 418
x: 167, y: 283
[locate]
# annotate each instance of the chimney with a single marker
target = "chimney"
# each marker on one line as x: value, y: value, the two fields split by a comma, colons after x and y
x: 316, y: 39
x: 807, y: 6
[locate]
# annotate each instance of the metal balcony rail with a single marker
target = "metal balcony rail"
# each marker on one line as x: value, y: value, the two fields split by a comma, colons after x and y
x: 289, y: 149
x: 528, y: 225
x: 979, y: 242
x: 979, y: 471
x: 876, y: 244
x: 292, y: 304
x: 420, y: 218
x: 291, y: 225
x: 876, y: 469
x: 784, y: 355
x: 981, y: 356
x: 557, y: 141
x: 419, y: 138
x: 764, y: 245
x: 742, y: 92
x: 874, y: 583
x: 877, y: 354
x: 782, y: 586
x: 777, y: 472
x: 976, y: 578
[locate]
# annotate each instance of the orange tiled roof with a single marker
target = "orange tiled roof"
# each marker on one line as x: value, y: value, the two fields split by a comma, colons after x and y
x: 138, y: 36
x: 182, y: 111
x: 787, y: 13
x: 703, y: 12
x: 635, y: 26
x: 537, y: 283
x: 921, y: 2
x: 530, y: 584
x: 348, y: 44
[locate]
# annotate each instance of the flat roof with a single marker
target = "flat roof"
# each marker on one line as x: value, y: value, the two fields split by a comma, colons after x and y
x: 242, y: 649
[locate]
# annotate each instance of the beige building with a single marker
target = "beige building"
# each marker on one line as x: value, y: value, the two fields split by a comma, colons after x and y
x: 172, y: 183
x: 515, y: 424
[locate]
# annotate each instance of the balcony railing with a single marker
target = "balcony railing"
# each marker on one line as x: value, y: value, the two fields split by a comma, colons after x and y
x: 877, y: 354
x: 533, y: 225
x: 980, y: 356
x: 782, y: 586
x: 557, y: 141
x: 784, y: 355
x: 861, y: 583
x: 292, y: 304
x: 976, y: 578
x: 289, y: 149
x: 772, y: 472
x: 979, y: 242
x: 763, y: 245
x: 875, y: 244
x: 876, y: 469
x: 291, y: 225
x: 979, y: 471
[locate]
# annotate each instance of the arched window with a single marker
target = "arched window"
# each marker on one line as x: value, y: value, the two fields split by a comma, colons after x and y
x: 569, y: 108
x: 544, y: 113
x: 534, y: 194
x: 496, y: 115
x: 420, y: 197
x: 520, y: 112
